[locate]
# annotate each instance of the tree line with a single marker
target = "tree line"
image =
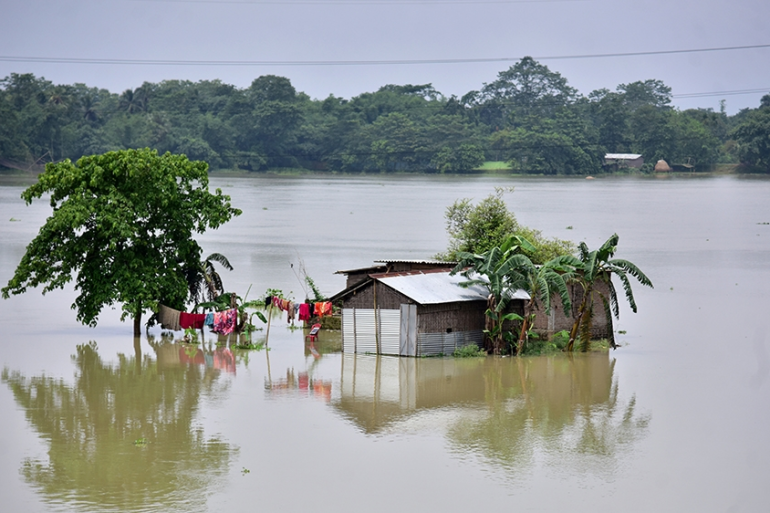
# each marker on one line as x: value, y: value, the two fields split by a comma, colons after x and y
x: 529, y: 117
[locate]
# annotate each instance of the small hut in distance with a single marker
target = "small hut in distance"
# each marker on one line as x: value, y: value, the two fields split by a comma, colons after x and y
x: 617, y: 161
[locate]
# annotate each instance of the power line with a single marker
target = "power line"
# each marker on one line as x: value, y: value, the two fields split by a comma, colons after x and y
x: 722, y: 93
x: 171, y: 62
x: 363, y: 3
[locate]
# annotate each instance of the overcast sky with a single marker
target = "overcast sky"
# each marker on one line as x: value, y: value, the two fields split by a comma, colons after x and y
x: 398, y: 30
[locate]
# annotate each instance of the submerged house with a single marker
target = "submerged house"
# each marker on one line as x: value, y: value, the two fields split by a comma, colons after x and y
x: 412, y: 308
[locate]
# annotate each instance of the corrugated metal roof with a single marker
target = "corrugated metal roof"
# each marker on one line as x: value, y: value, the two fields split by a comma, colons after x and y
x: 362, y: 269
x: 438, y: 287
x: 622, y: 156
x: 429, y: 262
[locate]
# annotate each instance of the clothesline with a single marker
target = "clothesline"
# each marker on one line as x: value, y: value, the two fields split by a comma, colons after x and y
x: 222, y: 323
x: 303, y: 311
x: 225, y: 322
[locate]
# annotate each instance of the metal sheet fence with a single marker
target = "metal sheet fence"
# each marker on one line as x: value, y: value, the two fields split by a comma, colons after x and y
x: 359, y: 334
x: 432, y: 344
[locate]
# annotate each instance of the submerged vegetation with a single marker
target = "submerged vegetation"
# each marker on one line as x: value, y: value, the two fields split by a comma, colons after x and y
x: 528, y: 120
x: 122, y: 226
x: 492, y: 250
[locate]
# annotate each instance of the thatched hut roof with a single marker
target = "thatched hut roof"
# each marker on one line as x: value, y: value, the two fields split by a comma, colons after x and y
x: 662, y: 167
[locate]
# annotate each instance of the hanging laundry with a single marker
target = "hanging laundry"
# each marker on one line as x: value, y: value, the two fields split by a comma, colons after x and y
x: 209, y: 320
x: 190, y: 320
x: 290, y: 312
x: 318, y: 309
x: 224, y: 322
x: 327, y: 308
x: 277, y: 302
x: 168, y: 318
x: 304, y: 312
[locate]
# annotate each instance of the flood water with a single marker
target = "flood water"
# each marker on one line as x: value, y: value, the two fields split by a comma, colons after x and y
x: 677, y: 419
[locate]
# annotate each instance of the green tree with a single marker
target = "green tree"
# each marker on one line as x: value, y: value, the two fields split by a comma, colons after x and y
x: 204, y: 282
x: 542, y: 283
x: 479, y: 228
x: 599, y: 266
x: 654, y: 93
x: 500, y: 270
x: 753, y: 137
x: 528, y: 88
x: 462, y: 158
x: 124, y: 222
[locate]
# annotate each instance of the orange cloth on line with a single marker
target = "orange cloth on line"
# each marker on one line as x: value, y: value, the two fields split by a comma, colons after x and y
x: 327, y: 308
x: 318, y: 309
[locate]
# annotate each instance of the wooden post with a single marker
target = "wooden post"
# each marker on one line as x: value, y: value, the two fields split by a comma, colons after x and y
x: 376, y: 324
x: 269, y: 318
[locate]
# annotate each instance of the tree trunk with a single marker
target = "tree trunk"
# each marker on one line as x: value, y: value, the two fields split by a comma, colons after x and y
x: 525, y: 324
x: 574, y: 331
x: 586, y: 327
x: 138, y: 321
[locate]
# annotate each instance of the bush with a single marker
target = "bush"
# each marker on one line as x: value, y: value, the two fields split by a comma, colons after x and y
x: 538, y: 346
x: 469, y: 351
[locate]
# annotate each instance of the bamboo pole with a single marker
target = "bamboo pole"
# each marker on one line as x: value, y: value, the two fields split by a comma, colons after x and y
x: 376, y: 323
x: 269, y: 318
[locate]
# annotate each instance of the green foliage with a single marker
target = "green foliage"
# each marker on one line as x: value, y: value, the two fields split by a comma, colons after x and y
x: 529, y: 116
x: 464, y: 158
x: 203, y: 280
x: 479, y: 228
x: 753, y: 137
x: 123, y: 223
x: 557, y: 343
x: 600, y: 266
x: 469, y: 351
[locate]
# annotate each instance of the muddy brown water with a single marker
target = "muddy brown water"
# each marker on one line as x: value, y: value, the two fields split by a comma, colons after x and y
x: 675, y: 420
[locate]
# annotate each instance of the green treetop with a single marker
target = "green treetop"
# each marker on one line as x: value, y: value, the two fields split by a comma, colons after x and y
x: 123, y: 225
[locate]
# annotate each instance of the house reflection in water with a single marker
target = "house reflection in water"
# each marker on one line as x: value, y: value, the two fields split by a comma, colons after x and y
x: 502, y: 409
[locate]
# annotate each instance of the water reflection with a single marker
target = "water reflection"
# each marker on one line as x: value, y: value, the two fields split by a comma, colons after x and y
x: 306, y: 383
x: 122, y: 437
x: 504, y: 410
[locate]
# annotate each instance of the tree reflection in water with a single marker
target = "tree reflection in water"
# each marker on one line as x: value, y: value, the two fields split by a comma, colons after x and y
x: 511, y: 412
x: 122, y: 437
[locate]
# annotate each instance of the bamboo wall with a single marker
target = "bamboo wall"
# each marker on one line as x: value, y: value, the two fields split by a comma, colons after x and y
x: 557, y: 321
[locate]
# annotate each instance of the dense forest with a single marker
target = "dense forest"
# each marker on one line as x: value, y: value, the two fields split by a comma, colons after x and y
x: 529, y: 118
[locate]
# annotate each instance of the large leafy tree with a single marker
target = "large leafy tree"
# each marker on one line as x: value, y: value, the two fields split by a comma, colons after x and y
x: 478, y: 228
x: 753, y: 137
x: 122, y: 225
x: 599, y: 266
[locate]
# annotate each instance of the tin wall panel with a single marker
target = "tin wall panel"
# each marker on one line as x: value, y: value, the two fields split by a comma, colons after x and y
x: 364, y: 333
x: 432, y: 344
x: 390, y: 325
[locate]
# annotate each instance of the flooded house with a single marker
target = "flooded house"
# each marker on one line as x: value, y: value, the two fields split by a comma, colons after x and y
x: 415, y: 308
x: 412, y: 308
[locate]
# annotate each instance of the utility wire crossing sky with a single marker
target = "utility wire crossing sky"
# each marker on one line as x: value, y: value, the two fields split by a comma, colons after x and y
x: 705, y: 52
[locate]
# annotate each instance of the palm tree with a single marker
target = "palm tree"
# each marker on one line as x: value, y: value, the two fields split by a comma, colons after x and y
x: 500, y: 270
x: 598, y: 266
x: 542, y: 283
x: 204, y: 281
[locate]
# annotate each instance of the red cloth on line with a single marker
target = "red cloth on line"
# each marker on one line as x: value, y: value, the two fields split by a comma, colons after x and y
x: 327, y: 308
x: 189, y: 320
x: 304, y: 312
